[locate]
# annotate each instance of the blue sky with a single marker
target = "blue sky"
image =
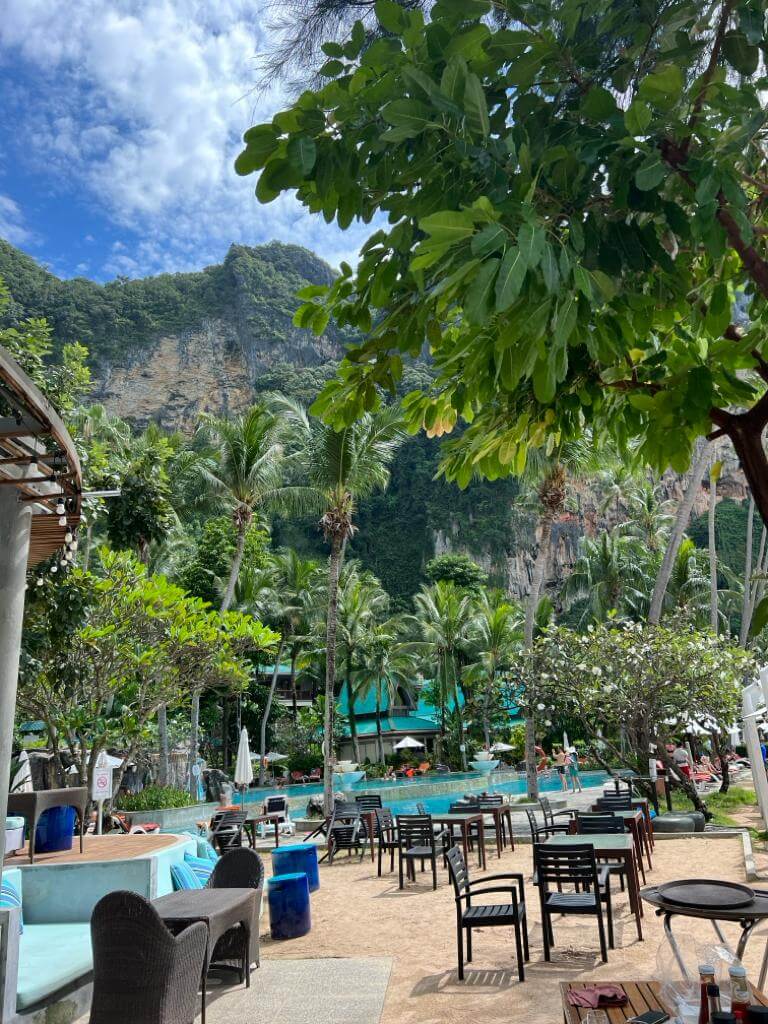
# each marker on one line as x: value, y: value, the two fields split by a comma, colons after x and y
x: 120, y: 122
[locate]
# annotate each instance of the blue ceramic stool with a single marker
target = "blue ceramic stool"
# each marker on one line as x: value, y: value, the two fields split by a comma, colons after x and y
x: 289, y: 915
x: 55, y: 830
x: 300, y: 857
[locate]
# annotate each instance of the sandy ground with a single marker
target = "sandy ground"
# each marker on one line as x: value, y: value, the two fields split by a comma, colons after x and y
x: 357, y: 914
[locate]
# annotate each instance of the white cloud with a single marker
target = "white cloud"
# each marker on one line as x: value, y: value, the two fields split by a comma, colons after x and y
x: 12, y: 223
x: 143, y: 104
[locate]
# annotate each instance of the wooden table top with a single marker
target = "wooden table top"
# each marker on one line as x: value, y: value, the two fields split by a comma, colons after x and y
x: 641, y: 995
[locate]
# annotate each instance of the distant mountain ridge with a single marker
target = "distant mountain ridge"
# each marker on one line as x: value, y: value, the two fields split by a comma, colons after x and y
x: 169, y: 347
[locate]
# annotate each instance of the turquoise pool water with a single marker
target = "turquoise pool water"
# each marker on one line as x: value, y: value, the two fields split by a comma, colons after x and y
x: 515, y: 787
x: 548, y: 783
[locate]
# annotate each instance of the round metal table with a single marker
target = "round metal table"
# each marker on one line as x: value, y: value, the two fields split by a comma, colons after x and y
x: 747, y: 917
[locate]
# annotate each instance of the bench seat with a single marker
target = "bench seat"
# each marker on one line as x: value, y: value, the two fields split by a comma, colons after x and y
x: 51, y: 956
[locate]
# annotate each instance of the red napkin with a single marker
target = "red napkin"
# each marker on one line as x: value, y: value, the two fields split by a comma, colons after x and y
x: 593, y: 996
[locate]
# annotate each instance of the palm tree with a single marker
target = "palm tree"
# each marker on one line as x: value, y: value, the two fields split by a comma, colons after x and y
x: 442, y: 620
x: 613, y: 572
x: 688, y: 589
x: 496, y: 637
x: 388, y: 667
x: 241, y: 468
x: 648, y: 517
x: 714, y: 475
x: 340, y: 468
x: 361, y: 598
x: 284, y: 591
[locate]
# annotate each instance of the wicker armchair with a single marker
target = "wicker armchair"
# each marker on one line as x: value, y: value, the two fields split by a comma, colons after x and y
x: 240, y: 868
x: 141, y: 971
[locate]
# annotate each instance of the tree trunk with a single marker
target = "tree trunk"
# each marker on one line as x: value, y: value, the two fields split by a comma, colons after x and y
x: 265, y: 716
x: 379, y: 734
x: 237, y: 561
x: 294, y: 703
x: 537, y: 581
x: 88, y: 542
x: 745, y: 603
x: 330, y: 671
x: 460, y: 714
x: 225, y: 712
x: 162, y: 736
x: 194, y: 729
x: 678, y: 530
x: 718, y: 749
x: 713, y: 619
x: 487, y: 710
x: 352, y: 716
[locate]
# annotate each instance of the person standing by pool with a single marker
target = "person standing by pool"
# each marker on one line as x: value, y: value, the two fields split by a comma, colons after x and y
x: 560, y: 763
x: 572, y: 764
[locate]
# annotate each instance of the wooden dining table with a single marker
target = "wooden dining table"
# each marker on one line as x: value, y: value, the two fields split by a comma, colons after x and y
x: 610, y: 846
x: 634, y: 821
x: 254, y: 820
x: 465, y: 821
x: 641, y: 997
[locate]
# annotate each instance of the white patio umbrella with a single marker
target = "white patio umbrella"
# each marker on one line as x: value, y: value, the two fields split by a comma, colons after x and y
x: 22, y: 780
x: 273, y: 757
x: 407, y: 742
x: 501, y: 748
x: 566, y: 741
x: 243, y: 766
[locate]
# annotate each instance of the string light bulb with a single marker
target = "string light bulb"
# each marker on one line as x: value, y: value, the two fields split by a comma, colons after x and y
x: 59, y: 508
x: 68, y: 537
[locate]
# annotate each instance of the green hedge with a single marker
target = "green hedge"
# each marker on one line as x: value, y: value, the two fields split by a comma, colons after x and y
x: 155, y: 798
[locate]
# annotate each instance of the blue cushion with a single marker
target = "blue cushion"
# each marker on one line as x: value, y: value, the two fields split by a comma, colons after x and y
x: 11, y: 897
x: 50, y: 957
x: 205, y: 850
x: 184, y: 877
x: 200, y: 865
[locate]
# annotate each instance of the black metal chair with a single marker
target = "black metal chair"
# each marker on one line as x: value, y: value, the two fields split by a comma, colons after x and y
x: 346, y: 831
x: 614, y: 802
x: 572, y: 866
x: 386, y: 837
x: 485, y: 915
x: 227, y: 829
x: 141, y: 971
x: 417, y: 840
x: 240, y: 868
x: 550, y: 815
x: 368, y: 801
x: 596, y: 823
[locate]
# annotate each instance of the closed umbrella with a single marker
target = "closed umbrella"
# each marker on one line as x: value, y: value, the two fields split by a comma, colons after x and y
x: 566, y: 741
x: 243, y: 766
x: 22, y: 780
x: 407, y: 742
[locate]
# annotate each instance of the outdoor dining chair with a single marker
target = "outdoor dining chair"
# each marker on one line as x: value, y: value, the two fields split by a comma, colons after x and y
x: 576, y: 866
x: 227, y: 829
x: 540, y: 833
x: 346, y: 831
x: 615, y: 802
x: 386, y: 836
x: 550, y: 815
x: 240, y: 868
x: 596, y: 823
x: 417, y: 841
x: 487, y: 915
x: 368, y: 801
x: 141, y: 971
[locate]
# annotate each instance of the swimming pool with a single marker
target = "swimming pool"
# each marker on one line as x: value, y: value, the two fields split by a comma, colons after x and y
x: 515, y: 787
x: 307, y: 789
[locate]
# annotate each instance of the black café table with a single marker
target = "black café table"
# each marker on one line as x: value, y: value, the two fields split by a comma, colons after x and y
x: 709, y: 892
x: 219, y: 910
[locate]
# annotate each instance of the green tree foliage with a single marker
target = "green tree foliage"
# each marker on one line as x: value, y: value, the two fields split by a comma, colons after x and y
x: 574, y: 202
x: 643, y: 683
x: 458, y: 569
x: 134, y: 642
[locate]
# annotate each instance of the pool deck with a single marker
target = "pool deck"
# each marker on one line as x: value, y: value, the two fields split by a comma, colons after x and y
x: 97, y: 848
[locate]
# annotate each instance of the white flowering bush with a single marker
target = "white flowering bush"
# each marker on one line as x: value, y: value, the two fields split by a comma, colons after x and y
x: 633, y: 687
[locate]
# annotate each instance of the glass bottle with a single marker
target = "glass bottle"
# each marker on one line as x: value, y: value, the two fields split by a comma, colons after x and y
x: 740, y: 994
x: 706, y: 978
x: 713, y: 999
